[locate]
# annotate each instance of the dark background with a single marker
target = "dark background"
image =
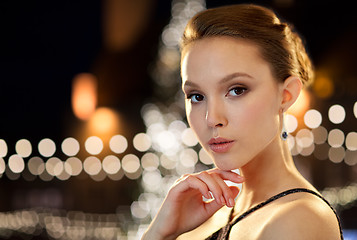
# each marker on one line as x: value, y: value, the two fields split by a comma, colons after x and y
x: 44, y: 44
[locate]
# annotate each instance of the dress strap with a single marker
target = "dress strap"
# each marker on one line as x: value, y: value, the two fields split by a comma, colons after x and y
x: 283, y: 194
x: 224, y: 232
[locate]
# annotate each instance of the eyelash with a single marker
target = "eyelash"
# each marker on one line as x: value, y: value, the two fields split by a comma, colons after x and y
x: 241, y: 90
x: 190, y: 96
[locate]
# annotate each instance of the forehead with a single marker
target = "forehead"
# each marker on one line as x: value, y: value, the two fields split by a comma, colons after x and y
x: 218, y: 56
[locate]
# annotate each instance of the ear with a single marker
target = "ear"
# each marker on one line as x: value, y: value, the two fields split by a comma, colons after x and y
x: 291, y: 89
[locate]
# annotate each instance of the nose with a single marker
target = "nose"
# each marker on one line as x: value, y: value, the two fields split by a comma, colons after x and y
x: 215, y: 115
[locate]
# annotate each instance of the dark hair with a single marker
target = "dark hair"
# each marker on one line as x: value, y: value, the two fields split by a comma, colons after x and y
x: 278, y: 43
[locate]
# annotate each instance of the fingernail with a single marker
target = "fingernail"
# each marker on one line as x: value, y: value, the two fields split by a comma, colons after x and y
x: 240, y: 177
x: 231, y: 202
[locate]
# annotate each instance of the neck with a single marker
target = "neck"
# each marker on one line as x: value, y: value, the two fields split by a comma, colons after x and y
x: 269, y: 173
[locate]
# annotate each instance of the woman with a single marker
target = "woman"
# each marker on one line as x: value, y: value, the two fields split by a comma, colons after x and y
x: 241, y: 70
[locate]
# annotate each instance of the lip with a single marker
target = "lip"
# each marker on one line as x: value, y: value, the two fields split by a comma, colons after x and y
x: 220, y: 145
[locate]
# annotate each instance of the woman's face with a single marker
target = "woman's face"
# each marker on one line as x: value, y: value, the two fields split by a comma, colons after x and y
x: 232, y: 99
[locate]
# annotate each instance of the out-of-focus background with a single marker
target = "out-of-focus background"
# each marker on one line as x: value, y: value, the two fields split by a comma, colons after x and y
x: 92, y: 125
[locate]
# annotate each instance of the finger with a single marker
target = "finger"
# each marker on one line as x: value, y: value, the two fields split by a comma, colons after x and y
x: 213, y: 186
x: 183, y: 177
x: 221, y: 177
x: 228, y: 175
x: 192, y: 182
x: 227, y: 195
x: 231, y: 201
x: 235, y: 190
x: 212, y: 206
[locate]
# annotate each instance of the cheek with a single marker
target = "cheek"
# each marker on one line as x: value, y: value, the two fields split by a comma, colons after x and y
x: 259, y: 119
x: 189, y: 114
x: 192, y: 117
x: 196, y: 120
x: 266, y: 105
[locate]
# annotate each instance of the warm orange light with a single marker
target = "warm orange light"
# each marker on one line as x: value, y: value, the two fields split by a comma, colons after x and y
x: 104, y: 121
x: 123, y: 22
x: 301, y: 105
x: 84, y: 95
x: 323, y: 87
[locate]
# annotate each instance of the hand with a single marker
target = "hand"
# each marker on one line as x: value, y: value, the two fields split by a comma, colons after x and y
x: 184, y: 208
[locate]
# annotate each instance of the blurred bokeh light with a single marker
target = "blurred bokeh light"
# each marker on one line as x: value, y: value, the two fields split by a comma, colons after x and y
x: 84, y: 95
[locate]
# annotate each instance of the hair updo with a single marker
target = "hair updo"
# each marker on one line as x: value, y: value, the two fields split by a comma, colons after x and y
x: 279, y: 44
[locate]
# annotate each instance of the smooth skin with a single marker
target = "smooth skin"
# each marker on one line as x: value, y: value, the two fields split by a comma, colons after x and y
x: 231, y: 93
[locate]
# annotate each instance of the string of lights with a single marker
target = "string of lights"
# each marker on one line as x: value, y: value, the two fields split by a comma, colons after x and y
x: 58, y: 224
x: 168, y: 143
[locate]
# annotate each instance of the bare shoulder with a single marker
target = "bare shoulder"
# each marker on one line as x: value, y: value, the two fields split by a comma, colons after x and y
x: 302, y: 216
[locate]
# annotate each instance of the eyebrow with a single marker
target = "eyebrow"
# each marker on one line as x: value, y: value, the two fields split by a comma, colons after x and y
x: 227, y: 78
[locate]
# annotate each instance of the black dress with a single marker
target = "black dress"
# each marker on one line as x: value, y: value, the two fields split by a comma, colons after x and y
x: 223, y: 233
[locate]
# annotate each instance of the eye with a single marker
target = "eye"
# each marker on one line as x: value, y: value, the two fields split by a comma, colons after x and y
x: 195, y: 98
x: 237, y: 91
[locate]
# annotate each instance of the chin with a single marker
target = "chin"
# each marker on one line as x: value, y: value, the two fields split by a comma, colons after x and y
x: 224, y: 167
x: 227, y: 163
